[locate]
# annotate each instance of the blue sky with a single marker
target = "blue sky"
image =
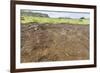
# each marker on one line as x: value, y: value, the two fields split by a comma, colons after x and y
x: 56, y: 14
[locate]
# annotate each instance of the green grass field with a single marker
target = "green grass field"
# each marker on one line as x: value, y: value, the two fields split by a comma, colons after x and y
x: 31, y: 19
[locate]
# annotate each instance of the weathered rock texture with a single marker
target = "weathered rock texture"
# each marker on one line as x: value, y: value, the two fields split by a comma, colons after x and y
x: 54, y: 42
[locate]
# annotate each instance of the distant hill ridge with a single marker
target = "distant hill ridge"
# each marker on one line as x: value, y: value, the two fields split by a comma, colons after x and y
x: 30, y: 13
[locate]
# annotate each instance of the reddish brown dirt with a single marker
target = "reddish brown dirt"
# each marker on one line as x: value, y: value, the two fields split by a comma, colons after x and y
x: 57, y: 42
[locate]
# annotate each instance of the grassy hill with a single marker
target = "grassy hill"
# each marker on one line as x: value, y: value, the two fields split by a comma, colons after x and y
x: 31, y: 19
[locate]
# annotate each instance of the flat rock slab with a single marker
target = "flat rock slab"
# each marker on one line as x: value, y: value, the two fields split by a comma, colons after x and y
x: 54, y: 42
